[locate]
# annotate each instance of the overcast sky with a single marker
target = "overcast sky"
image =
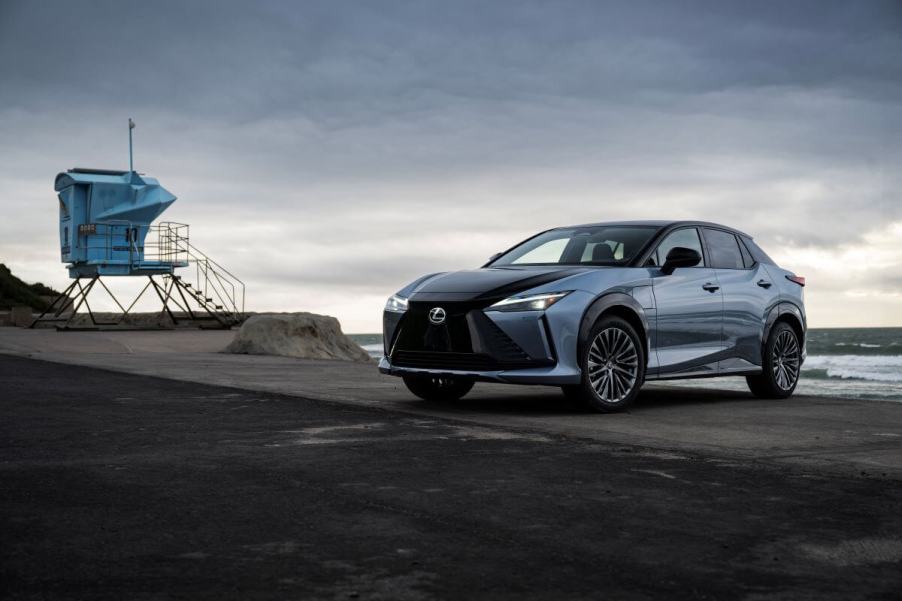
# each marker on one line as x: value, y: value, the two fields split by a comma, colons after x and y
x: 329, y: 152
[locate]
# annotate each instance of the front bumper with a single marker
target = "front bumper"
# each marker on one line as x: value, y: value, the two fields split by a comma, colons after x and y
x: 526, y: 347
x: 556, y: 375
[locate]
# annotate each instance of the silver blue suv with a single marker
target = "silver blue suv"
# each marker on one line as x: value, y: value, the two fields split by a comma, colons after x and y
x: 599, y: 309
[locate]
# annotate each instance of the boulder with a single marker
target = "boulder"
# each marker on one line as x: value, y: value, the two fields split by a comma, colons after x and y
x: 301, y: 335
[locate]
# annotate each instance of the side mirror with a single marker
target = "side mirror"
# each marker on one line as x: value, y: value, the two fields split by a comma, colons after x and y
x: 680, y: 257
x: 493, y: 257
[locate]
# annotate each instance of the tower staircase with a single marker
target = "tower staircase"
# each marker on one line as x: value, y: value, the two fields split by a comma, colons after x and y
x: 210, y: 295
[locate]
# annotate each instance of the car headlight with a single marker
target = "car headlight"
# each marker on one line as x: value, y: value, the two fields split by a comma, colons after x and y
x: 533, y: 302
x: 396, y: 304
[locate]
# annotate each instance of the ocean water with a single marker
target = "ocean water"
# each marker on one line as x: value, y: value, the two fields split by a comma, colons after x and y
x: 863, y: 363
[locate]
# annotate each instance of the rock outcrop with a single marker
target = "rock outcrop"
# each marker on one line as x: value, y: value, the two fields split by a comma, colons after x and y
x: 301, y: 335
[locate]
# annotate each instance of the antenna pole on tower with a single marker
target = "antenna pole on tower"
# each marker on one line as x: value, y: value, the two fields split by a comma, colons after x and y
x: 131, y: 126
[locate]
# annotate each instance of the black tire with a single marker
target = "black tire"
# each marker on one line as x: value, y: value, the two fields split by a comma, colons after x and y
x: 612, y: 361
x: 438, y: 389
x: 781, y: 363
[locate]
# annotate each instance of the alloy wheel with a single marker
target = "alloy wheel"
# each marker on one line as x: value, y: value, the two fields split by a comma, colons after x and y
x: 786, y: 360
x: 613, y: 365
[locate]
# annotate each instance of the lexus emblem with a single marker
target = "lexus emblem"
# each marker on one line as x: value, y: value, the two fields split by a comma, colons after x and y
x: 437, y: 315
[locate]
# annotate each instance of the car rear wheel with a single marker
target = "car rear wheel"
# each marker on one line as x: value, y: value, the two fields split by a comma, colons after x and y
x: 438, y: 389
x: 613, y: 367
x: 781, y: 363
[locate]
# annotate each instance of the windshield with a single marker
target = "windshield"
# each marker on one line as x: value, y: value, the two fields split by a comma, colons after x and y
x: 595, y: 245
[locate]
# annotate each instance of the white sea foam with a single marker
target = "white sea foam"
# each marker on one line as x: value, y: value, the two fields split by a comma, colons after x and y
x: 877, y: 368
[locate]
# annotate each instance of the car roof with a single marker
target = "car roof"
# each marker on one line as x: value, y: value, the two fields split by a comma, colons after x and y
x: 661, y: 223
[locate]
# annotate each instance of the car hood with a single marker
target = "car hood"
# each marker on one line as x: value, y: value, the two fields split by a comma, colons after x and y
x: 489, y: 282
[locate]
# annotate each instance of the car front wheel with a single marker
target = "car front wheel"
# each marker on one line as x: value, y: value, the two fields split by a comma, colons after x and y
x: 613, y: 367
x: 438, y: 389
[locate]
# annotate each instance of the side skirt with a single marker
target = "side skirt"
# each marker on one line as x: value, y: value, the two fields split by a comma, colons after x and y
x: 736, y: 371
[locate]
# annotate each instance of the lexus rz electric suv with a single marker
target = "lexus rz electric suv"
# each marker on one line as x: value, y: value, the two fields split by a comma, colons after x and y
x: 598, y: 310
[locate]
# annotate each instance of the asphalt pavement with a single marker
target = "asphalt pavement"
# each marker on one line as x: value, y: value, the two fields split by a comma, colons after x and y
x: 123, y: 486
x: 846, y: 436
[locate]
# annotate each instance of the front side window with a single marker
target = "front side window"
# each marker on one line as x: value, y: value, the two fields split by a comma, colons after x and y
x: 591, y: 245
x: 723, y: 249
x: 684, y: 238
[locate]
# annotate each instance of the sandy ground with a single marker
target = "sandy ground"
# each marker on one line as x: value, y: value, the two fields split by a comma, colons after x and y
x: 853, y: 437
x: 118, y: 486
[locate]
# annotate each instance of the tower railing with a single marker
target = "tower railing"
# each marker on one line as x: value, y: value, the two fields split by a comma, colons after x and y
x: 167, y: 242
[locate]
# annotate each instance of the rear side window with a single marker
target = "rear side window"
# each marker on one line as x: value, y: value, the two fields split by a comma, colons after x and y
x: 746, y: 256
x: 759, y: 255
x: 723, y: 249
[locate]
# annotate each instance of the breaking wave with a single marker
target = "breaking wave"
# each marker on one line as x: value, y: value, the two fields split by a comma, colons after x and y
x: 876, y: 368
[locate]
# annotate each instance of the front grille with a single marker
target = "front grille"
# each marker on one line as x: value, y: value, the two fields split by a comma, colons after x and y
x: 419, y: 334
x: 467, y: 341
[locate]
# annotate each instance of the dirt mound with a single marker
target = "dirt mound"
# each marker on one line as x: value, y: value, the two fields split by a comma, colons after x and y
x: 301, y: 335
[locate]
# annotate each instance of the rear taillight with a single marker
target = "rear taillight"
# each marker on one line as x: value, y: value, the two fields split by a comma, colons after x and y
x: 796, y: 279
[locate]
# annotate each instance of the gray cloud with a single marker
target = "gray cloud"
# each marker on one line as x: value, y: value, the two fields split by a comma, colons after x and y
x: 343, y: 64
x: 350, y: 145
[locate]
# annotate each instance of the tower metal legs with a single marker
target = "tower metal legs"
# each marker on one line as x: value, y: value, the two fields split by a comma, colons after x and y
x: 172, y: 292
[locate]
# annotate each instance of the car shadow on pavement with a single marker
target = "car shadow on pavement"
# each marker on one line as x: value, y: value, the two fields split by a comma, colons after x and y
x: 546, y: 400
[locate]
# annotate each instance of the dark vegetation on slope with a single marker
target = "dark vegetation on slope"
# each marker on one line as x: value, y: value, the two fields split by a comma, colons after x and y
x: 14, y: 291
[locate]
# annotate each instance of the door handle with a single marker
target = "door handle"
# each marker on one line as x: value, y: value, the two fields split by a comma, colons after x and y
x: 764, y: 283
x: 711, y: 287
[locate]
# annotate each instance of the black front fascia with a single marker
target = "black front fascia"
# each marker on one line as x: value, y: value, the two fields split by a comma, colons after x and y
x: 467, y: 340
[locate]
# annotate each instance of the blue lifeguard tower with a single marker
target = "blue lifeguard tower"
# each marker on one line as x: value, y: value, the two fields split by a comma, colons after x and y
x: 105, y: 218
x: 106, y: 230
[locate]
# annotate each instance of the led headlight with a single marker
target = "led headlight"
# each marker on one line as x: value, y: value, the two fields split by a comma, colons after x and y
x: 396, y: 304
x: 533, y: 302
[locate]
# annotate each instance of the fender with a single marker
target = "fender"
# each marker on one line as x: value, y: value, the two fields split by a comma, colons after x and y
x: 783, y: 308
x: 605, y: 302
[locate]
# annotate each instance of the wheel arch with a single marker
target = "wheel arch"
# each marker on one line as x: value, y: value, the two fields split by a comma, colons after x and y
x: 789, y: 313
x: 622, y: 305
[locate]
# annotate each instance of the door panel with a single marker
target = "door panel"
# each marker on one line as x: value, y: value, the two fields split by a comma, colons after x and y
x: 688, y: 321
x: 747, y: 289
x: 745, y: 309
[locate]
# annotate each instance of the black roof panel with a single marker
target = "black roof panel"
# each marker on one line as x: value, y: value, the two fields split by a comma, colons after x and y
x: 662, y: 223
